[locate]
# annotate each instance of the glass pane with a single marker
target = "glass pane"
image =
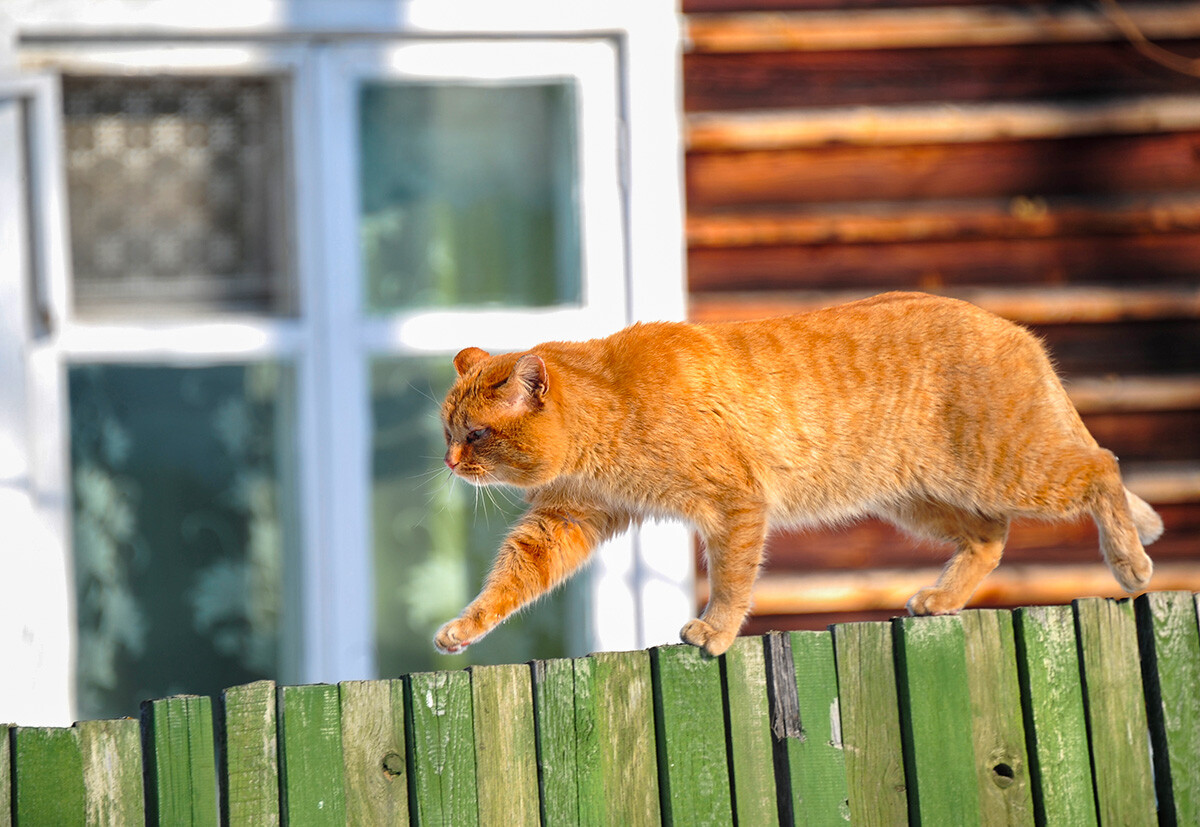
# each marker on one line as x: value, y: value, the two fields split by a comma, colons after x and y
x: 175, y: 188
x: 469, y: 195
x: 183, y: 529
x: 435, y: 537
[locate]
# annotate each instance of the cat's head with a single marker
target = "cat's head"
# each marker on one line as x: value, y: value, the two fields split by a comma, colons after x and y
x: 497, y: 422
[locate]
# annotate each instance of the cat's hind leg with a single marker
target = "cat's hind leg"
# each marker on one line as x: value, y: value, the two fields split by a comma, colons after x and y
x: 979, y: 542
x: 734, y: 552
x: 1126, y: 522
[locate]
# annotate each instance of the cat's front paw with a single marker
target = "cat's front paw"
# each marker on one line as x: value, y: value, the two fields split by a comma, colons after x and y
x: 711, y: 640
x: 933, y: 601
x: 453, y: 638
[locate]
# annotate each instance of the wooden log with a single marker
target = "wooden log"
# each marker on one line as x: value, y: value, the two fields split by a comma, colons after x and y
x: 1042, y: 263
x: 1169, y: 640
x: 1056, y: 723
x: 938, y: 123
x: 442, y: 750
x: 1116, y: 712
x: 374, y: 750
x: 47, y: 768
x: 249, y: 755
x: 925, y: 28
x: 311, y: 765
x: 791, y: 80
x: 557, y: 741
x: 875, y: 769
x: 1109, y: 165
x: 935, y: 721
x: 889, y: 589
x: 751, y: 753
x: 180, y: 756
x: 1016, y: 218
x: 816, y: 759
x: 1001, y: 760
x: 506, y: 771
x: 622, y: 700
x: 112, y: 772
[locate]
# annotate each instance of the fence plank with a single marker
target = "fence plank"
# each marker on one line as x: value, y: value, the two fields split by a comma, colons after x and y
x: 589, y: 757
x: 442, y: 753
x: 112, y: 771
x: 935, y: 720
x: 751, y: 751
x: 690, y: 731
x: 181, y: 757
x: 1170, y: 646
x: 1116, y: 711
x: 310, y: 755
x: 866, y: 673
x: 554, y: 720
x: 1060, y: 770
x: 6, y: 778
x: 622, y: 696
x: 373, y: 752
x: 505, y: 745
x: 48, y: 769
x: 817, y: 759
x: 1001, y: 760
x: 249, y: 755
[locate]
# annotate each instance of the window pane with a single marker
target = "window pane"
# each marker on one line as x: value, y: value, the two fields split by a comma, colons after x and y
x: 435, y: 537
x: 469, y: 195
x: 175, y: 188
x: 183, y: 529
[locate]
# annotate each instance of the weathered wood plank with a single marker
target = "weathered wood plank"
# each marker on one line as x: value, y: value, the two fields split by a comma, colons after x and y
x: 589, y: 752
x: 554, y: 717
x: 875, y: 772
x: 935, y: 718
x: 47, y: 766
x: 112, y: 772
x: 817, y: 760
x: 505, y: 745
x: 442, y: 749
x: 623, y: 700
x: 6, y: 780
x: 250, y: 755
x: 1170, y: 647
x: 374, y: 750
x: 1055, y: 720
x: 1001, y: 760
x: 1116, y: 711
x: 751, y: 751
x: 690, y: 731
x: 181, y: 761
x: 310, y: 755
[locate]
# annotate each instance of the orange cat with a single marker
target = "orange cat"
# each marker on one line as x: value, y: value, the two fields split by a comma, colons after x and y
x: 927, y: 412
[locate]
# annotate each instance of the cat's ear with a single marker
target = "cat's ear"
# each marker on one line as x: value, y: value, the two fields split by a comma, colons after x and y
x: 530, y: 381
x: 469, y: 358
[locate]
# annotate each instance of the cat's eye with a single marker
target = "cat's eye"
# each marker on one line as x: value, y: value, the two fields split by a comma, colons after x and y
x: 476, y: 435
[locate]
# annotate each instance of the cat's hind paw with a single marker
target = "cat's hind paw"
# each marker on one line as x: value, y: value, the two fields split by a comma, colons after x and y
x: 711, y: 640
x: 451, y: 639
x: 933, y: 601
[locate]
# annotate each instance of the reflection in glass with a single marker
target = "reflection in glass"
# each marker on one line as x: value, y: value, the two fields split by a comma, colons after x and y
x: 469, y: 195
x: 182, y: 484
x: 435, y: 537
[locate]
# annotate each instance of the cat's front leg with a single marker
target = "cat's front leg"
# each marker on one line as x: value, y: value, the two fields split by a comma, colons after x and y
x: 548, y: 545
x: 734, y: 553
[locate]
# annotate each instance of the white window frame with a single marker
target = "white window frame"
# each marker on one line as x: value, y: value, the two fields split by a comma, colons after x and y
x: 643, y: 583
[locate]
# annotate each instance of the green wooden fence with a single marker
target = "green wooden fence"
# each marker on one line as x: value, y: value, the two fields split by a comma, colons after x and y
x: 1059, y: 715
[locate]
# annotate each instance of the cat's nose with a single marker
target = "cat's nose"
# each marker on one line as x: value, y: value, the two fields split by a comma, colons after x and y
x: 453, y: 458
